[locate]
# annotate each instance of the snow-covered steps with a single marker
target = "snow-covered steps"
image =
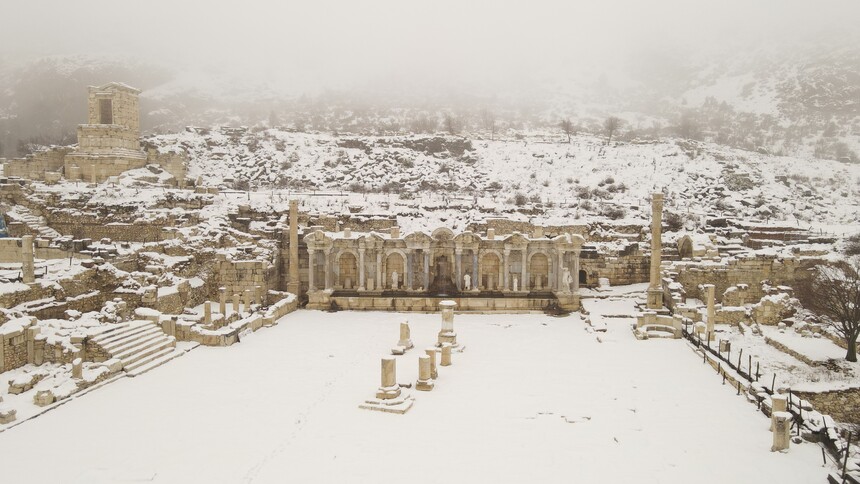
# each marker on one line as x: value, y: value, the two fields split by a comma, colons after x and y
x: 140, y: 345
x: 35, y: 223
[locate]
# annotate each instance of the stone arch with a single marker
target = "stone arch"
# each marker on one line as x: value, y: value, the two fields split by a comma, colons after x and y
x: 583, y: 277
x: 347, y: 270
x: 491, y: 264
x: 685, y: 247
x: 442, y: 233
x: 395, y: 260
x: 539, y: 265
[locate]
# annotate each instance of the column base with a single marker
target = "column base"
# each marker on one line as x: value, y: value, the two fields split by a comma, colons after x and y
x: 655, y: 298
x: 388, y: 393
x: 447, y: 337
x: 425, y: 385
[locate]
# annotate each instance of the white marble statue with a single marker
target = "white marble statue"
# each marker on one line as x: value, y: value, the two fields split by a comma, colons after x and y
x: 516, y: 284
x: 467, y: 282
x: 394, y: 280
x: 567, y: 279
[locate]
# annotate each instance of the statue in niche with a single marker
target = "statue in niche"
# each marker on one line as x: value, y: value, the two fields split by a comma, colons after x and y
x: 467, y: 282
x: 567, y: 279
x: 394, y: 280
x: 516, y: 284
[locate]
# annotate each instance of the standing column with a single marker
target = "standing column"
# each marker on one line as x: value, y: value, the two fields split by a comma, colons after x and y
x: 524, y: 274
x: 360, y: 269
x: 478, y: 283
x: 526, y: 284
x: 458, y: 271
x: 655, y: 291
x: 712, y: 312
x: 294, y: 285
x: 28, y: 265
x: 559, y: 273
x: 222, y: 301
x: 311, y: 269
x: 408, y: 270
x: 575, y: 274
x: 426, y: 269
x: 328, y: 272
x: 505, y: 270
x: 379, y: 269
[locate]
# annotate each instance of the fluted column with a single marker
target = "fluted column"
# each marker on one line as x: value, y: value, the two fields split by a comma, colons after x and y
x: 656, y: 240
x: 479, y: 283
x: 559, y: 273
x: 505, y: 270
x: 408, y: 270
x: 361, y: 269
x: 311, y: 269
x: 328, y: 272
x: 458, y: 270
x: 575, y: 274
x: 524, y: 282
x: 379, y: 281
x: 426, y: 269
x: 476, y: 274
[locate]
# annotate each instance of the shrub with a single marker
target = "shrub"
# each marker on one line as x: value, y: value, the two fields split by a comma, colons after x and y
x: 520, y: 200
x: 852, y: 245
x: 613, y: 213
x: 673, y: 221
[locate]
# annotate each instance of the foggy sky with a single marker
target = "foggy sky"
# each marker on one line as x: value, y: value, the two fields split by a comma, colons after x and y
x: 346, y: 44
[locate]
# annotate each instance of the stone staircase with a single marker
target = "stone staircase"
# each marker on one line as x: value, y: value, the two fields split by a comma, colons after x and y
x: 140, y: 345
x: 35, y: 223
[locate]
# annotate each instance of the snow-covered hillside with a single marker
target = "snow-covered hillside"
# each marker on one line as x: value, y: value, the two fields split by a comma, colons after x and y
x: 532, y: 176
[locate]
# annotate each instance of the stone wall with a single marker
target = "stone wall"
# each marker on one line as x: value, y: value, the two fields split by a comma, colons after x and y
x: 237, y: 276
x: 842, y: 405
x: 743, y: 270
x: 34, y: 166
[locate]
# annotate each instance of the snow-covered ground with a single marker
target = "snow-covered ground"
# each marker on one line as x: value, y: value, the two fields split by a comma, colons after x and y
x: 532, y: 399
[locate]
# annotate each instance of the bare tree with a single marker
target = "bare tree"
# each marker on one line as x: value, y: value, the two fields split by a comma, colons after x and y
x: 612, y: 125
x: 566, y: 128
x: 451, y: 124
x: 688, y: 128
x: 423, y: 124
x: 489, y: 121
x: 833, y: 292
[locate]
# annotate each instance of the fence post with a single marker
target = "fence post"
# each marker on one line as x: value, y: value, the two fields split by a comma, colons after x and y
x: 847, y: 452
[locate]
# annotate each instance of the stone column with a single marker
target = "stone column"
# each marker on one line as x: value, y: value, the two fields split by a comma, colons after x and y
x: 379, y: 270
x: 207, y: 312
x: 527, y: 285
x: 311, y: 269
x: 405, y: 336
x: 781, y: 431
x: 712, y: 312
x: 361, y: 270
x: 655, y: 290
x: 248, y: 300
x: 388, y: 388
x: 328, y: 272
x: 778, y: 403
x: 425, y: 381
x: 476, y: 273
x: 294, y: 284
x: 478, y: 282
x: 431, y: 352
x: 524, y: 281
x: 458, y: 270
x: 505, y: 270
x: 222, y: 301
x: 93, y: 178
x: 447, y: 334
x: 576, y: 270
x: 560, y: 286
x: 28, y: 264
x: 408, y: 271
x: 426, y: 269
x: 446, y: 354
x: 78, y: 368
x: 259, y: 295
x: 236, y: 303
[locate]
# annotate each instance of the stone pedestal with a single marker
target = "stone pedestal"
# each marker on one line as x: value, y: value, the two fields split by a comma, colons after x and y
x: 778, y: 403
x: 389, y: 397
x: 236, y: 304
x: 78, y: 368
x: 43, y: 398
x: 431, y: 352
x: 207, y: 312
x: 781, y: 431
x: 446, y: 354
x: 447, y: 334
x: 388, y: 388
x: 425, y: 381
x: 405, y: 336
